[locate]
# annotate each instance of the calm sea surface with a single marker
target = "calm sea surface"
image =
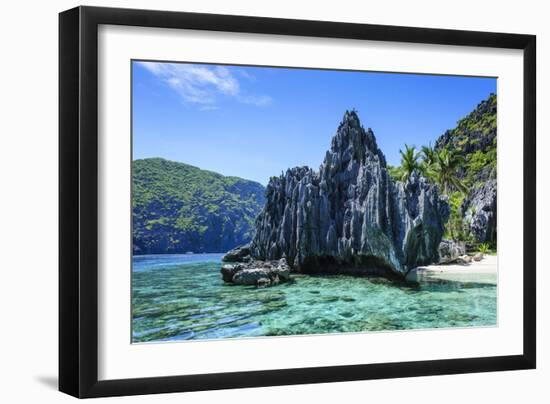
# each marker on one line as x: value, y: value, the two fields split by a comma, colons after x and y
x: 181, y: 297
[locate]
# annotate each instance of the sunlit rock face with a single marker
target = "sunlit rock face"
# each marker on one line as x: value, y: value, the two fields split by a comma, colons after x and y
x: 480, y: 211
x: 350, y: 216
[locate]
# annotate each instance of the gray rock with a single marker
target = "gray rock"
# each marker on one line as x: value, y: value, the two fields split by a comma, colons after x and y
x: 283, y: 270
x: 450, y: 251
x: 466, y: 259
x: 257, y: 273
x: 479, y: 209
x: 237, y: 254
x: 265, y: 282
x: 228, y: 271
x: 350, y: 214
x: 478, y: 257
x: 252, y: 276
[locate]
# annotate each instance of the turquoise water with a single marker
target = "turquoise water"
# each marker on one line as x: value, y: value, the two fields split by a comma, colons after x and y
x: 181, y: 297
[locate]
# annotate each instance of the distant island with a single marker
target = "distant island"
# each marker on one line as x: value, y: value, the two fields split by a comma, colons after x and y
x: 178, y: 208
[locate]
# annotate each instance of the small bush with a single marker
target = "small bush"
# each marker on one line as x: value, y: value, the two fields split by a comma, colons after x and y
x: 484, y: 248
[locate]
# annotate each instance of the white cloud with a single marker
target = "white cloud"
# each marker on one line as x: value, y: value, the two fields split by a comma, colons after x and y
x: 203, y: 84
x: 246, y: 75
x: 260, y: 101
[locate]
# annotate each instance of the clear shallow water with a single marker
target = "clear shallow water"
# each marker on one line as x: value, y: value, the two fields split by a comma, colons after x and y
x: 180, y: 297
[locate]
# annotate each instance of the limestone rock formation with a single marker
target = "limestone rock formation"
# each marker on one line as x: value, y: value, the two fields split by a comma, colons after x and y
x: 350, y: 216
x: 451, y: 251
x: 475, y: 139
x: 480, y: 211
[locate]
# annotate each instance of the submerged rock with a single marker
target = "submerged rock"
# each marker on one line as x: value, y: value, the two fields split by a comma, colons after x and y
x: 350, y: 215
x: 256, y: 273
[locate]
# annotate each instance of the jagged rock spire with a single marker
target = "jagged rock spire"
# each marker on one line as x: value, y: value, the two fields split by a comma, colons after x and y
x: 353, y: 141
x: 350, y: 215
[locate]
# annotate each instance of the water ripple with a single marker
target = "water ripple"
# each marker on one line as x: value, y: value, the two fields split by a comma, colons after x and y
x: 180, y: 297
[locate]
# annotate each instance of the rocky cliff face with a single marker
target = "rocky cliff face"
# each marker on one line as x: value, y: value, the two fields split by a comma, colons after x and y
x: 350, y: 216
x: 479, y: 209
x: 476, y: 132
x: 475, y: 138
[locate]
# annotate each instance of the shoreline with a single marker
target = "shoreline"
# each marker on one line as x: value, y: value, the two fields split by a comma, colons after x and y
x: 480, y: 271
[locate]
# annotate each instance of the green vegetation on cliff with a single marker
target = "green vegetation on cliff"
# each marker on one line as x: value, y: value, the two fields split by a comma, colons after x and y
x: 462, y: 162
x: 178, y: 208
x: 475, y: 138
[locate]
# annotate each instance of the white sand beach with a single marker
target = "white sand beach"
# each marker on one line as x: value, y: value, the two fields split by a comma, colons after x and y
x: 480, y: 271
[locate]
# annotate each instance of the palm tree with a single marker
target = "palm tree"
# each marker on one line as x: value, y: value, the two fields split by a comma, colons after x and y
x: 409, y: 161
x: 429, y: 155
x: 429, y: 160
x: 396, y: 172
x: 445, y: 167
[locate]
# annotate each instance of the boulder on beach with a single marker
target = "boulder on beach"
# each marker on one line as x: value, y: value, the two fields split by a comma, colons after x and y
x: 451, y: 251
x: 478, y: 257
x: 466, y: 259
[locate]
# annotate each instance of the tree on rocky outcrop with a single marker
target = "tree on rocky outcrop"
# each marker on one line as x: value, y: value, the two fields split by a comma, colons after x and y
x: 429, y: 156
x: 410, y: 161
x: 446, y: 167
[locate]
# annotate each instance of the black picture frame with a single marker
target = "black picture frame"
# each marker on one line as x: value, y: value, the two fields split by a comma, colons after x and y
x: 78, y: 201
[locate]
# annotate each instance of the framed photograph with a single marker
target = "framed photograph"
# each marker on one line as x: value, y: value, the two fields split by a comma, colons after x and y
x: 251, y: 201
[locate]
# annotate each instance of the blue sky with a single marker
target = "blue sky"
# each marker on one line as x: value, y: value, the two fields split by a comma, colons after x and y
x: 254, y: 122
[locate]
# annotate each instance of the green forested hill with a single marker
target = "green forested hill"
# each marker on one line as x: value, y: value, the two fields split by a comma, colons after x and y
x: 179, y: 208
x: 475, y: 138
